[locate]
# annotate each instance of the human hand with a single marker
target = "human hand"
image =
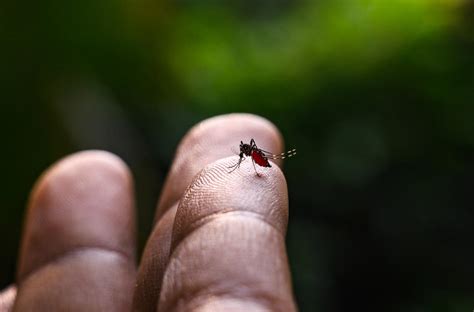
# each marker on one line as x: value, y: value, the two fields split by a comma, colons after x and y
x: 217, y: 243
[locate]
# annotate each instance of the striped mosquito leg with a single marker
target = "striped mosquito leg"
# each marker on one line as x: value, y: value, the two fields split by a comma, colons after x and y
x: 291, y: 153
x: 284, y: 155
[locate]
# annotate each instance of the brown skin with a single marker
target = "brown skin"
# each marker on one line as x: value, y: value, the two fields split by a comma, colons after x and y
x: 217, y: 243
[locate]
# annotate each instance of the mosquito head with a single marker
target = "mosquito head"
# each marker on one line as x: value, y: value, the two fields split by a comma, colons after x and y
x: 245, y: 148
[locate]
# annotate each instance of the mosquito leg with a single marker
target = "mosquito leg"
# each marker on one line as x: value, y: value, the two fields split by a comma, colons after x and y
x: 237, y: 165
x: 234, y: 166
x: 253, y: 163
x: 253, y: 145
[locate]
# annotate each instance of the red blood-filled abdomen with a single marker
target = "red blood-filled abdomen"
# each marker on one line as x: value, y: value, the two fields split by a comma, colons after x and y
x: 260, y: 159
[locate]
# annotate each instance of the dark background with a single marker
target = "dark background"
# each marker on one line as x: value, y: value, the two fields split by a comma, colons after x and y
x: 377, y: 96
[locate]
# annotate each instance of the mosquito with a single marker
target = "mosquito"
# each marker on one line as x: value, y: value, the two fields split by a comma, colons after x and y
x: 258, y: 155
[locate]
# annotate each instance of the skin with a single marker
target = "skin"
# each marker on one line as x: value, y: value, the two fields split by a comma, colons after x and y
x: 217, y: 242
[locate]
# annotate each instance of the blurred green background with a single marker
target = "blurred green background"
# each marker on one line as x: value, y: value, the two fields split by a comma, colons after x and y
x: 377, y: 96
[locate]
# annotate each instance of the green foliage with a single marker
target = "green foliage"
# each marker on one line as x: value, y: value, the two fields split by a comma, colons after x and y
x: 223, y: 58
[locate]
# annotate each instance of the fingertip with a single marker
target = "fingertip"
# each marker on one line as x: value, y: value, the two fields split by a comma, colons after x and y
x: 220, y: 133
x: 83, y: 200
x: 215, y: 191
x: 89, y: 160
x: 7, y: 298
x: 248, y: 125
x: 213, y: 139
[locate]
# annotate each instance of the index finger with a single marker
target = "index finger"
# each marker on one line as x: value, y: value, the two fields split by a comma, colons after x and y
x: 210, y: 140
